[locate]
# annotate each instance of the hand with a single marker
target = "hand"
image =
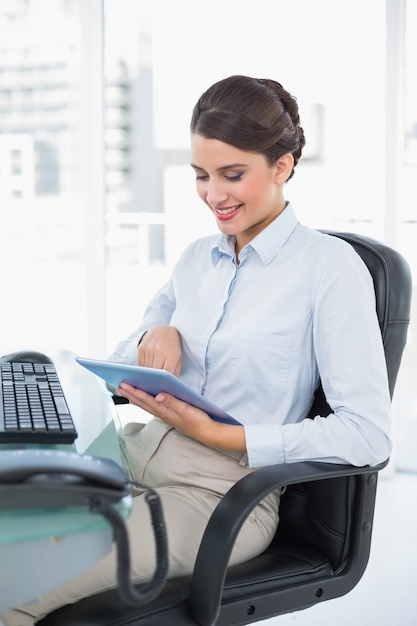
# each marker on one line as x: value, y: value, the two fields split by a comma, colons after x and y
x: 187, y: 418
x: 161, y: 348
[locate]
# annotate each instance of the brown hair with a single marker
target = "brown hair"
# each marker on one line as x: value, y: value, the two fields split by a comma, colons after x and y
x: 253, y: 114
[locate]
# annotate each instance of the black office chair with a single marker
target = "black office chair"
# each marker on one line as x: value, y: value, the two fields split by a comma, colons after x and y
x: 323, y: 540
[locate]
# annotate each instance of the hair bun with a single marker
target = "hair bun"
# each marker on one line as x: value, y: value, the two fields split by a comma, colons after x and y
x: 256, y: 115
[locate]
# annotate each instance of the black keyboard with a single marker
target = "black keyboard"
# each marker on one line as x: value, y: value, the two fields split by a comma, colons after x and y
x: 33, y: 408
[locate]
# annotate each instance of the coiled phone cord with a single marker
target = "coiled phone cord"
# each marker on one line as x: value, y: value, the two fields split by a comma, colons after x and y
x: 151, y: 590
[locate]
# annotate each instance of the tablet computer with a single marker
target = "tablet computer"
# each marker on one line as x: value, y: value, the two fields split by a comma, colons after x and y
x: 154, y: 381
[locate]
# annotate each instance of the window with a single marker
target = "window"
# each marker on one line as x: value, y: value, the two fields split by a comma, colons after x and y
x: 154, y: 73
x: 345, y: 179
x: 97, y: 196
x: 41, y: 216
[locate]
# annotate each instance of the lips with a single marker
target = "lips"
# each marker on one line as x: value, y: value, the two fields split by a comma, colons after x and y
x: 227, y: 213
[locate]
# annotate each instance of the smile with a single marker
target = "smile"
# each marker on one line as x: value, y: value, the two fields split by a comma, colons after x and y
x: 227, y: 213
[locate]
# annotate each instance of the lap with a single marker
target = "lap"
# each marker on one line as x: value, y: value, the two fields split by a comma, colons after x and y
x: 186, y: 506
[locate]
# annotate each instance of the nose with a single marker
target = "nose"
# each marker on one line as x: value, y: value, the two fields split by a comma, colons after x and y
x: 216, y: 192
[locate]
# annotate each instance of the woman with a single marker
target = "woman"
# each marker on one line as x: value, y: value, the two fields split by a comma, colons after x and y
x: 252, y: 318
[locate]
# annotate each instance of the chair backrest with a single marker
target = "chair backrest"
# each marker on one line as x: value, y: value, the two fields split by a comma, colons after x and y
x: 318, y: 514
x: 392, y: 279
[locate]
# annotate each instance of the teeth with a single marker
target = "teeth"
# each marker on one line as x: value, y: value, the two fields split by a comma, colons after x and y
x: 226, y: 211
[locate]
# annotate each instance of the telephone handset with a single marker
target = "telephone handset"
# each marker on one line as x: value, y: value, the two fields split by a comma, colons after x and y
x: 38, y: 479
x: 54, y: 478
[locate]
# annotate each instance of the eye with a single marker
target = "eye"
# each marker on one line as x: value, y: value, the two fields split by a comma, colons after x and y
x: 202, y: 177
x: 234, y: 177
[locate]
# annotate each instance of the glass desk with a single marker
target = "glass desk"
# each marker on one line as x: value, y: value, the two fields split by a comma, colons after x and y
x: 43, y: 548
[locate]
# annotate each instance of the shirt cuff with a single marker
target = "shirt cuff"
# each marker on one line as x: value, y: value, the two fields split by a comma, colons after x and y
x: 264, y: 444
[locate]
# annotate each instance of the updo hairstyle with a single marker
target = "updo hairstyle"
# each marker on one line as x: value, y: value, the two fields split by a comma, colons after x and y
x: 253, y: 114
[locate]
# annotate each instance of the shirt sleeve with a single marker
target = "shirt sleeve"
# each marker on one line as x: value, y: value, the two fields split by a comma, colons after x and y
x: 158, y: 312
x: 350, y: 358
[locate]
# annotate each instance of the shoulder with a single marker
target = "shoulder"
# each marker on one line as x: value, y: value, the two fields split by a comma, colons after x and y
x: 326, y: 245
x: 328, y: 259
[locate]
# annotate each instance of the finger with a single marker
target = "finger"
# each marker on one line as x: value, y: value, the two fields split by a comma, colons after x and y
x: 178, y: 368
x: 133, y: 394
x: 149, y: 359
x: 142, y: 358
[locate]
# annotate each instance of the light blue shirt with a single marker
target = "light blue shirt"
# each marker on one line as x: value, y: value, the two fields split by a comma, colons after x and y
x: 258, y: 336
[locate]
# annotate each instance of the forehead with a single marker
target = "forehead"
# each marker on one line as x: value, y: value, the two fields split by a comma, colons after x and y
x: 214, y: 154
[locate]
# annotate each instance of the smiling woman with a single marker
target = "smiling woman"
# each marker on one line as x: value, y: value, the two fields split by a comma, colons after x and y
x: 261, y: 364
x: 153, y: 73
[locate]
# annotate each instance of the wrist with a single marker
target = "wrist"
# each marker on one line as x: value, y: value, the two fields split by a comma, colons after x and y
x: 224, y: 437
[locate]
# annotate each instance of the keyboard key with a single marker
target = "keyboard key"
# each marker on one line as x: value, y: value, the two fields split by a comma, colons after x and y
x: 34, y: 407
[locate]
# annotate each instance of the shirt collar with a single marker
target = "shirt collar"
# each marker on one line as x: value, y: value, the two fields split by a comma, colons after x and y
x: 267, y: 244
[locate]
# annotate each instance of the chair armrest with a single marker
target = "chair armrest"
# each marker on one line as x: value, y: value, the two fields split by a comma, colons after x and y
x: 230, y: 514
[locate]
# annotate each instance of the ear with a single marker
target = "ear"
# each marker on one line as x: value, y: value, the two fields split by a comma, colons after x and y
x: 283, y: 168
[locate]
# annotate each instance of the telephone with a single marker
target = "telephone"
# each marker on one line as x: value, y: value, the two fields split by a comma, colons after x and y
x: 38, y: 478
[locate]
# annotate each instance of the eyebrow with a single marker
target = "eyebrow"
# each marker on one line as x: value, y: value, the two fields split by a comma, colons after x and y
x: 231, y: 166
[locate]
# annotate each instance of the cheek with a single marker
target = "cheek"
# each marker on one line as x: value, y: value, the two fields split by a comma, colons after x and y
x: 263, y: 193
x: 201, y: 191
x: 253, y: 194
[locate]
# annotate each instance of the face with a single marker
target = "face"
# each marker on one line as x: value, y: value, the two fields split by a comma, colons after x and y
x: 243, y: 192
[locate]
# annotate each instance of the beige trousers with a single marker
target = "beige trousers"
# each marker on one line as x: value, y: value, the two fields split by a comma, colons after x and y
x: 190, y: 479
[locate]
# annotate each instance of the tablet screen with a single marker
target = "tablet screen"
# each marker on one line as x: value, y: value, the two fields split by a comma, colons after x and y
x: 154, y: 381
